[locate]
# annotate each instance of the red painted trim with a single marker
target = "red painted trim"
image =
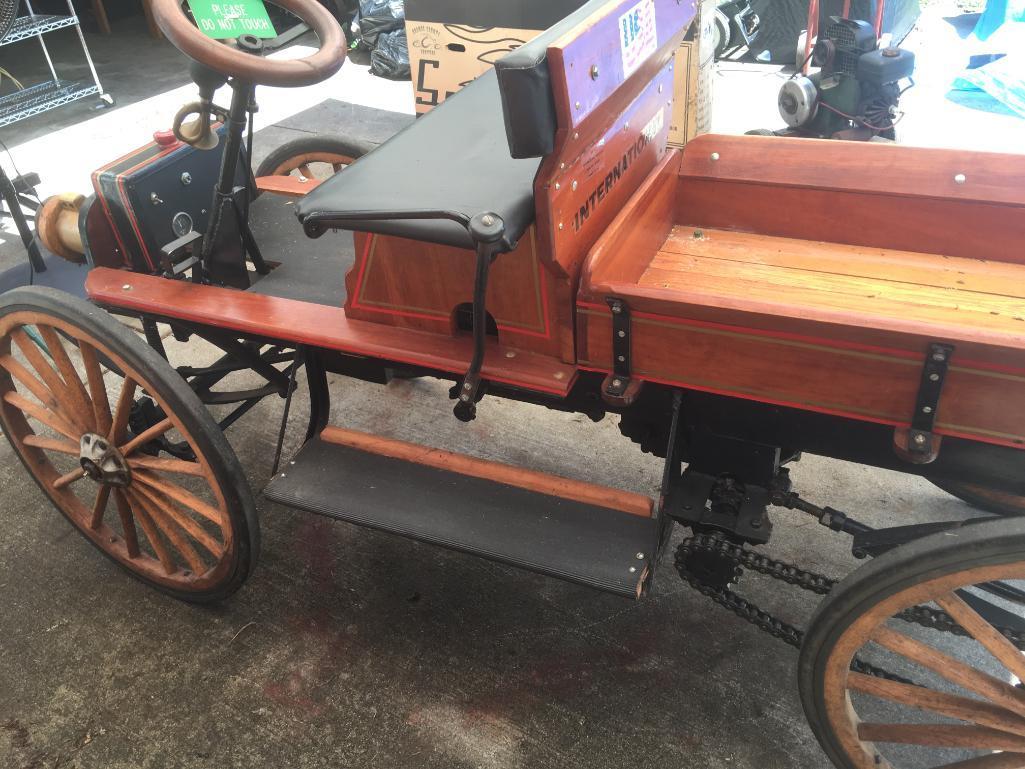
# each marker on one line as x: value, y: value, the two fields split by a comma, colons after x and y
x: 822, y: 342
x: 110, y: 219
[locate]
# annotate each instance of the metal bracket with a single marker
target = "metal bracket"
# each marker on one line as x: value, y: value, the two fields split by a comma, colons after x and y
x: 927, y: 403
x: 620, y: 381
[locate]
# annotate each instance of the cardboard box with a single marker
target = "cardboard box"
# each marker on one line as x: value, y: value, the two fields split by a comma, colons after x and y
x: 452, y: 42
x: 695, y: 66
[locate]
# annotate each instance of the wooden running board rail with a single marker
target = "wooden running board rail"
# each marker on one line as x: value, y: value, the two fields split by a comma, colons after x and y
x: 510, y: 475
x: 297, y: 322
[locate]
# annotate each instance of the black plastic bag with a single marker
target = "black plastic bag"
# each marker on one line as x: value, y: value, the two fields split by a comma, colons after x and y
x: 377, y: 17
x: 390, y: 58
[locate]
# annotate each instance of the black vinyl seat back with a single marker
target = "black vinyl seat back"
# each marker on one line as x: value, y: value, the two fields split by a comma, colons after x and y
x: 525, y: 85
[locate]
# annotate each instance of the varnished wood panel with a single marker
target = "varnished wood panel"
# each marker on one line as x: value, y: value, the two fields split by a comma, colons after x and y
x: 417, y: 285
x: 942, y: 226
x: 812, y: 373
x: 876, y: 168
x: 320, y: 326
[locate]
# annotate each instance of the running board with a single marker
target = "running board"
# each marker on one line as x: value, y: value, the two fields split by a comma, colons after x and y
x: 568, y: 529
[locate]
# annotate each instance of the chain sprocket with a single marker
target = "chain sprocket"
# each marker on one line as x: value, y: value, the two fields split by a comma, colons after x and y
x: 738, y: 557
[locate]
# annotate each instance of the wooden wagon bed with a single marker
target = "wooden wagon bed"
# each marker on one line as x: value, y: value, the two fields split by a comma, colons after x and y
x: 779, y: 313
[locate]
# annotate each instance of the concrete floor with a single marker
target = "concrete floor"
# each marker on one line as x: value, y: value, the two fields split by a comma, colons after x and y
x: 350, y: 648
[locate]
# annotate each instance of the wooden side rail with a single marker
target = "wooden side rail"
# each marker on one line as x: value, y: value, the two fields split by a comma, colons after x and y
x: 531, y: 480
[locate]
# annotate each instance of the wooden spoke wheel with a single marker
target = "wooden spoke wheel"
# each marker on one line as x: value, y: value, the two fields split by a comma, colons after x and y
x: 982, y: 498
x: 955, y: 704
x: 70, y: 375
x: 311, y: 158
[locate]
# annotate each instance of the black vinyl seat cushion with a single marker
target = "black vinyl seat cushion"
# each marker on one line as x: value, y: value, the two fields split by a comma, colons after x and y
x: 455, y: 158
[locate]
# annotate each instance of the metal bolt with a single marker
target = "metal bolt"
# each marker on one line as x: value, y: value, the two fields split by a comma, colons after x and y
x: 616, y: 309
x: 934, y: 377
x: 960, y: 178
x: 617, y: 382
x: 594, y: 72
x: 756, y: 523
x: 467, y: 385
x: 126, y: 287
x: 559, y: 375
x: 633, y: 569
x: 626, y: 125
x: 186, y: 177
x: 919, y: 439
x: 714, y: 156
x: 154, y: 198
x: 621, y: 334
x: 640, y: 556
x: 926, y: 409
x: 939, y: 357
x: 562, y: 166
x: 560, y: 225
x: 558, y: 186
x: 576, y: 135
x: 488, y: 220
x: 464, y: 397
x: 660, y: 88
x: 510, y: 354
x: 574, y: 185
x: 621, y: 358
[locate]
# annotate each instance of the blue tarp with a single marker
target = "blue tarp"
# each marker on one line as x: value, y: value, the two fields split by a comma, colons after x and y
x: 998, y: 41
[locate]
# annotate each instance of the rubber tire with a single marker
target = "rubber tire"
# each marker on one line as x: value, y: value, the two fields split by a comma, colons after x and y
x: 317, y: 143
x: 722, y: 32
x: 187, y: 407
x: 966, y: 494
x: 760, y: 132
x: 985, y: 543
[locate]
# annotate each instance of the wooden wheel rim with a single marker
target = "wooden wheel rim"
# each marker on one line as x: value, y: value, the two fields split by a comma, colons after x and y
x: 142, y: 500
x: 870, y: 626
x: 334, y: 159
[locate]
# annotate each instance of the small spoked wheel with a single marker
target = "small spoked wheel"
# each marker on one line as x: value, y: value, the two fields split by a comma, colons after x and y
x: 915, y: 659
x: 311, y: 158
x: 122, y: 446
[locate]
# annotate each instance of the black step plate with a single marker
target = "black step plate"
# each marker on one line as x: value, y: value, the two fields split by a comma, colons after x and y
x: 570, y: 540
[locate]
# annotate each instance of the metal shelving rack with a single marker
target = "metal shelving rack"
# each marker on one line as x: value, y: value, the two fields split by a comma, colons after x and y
x: 55, y: 92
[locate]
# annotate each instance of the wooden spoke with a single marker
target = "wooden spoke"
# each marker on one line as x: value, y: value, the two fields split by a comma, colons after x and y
x: 97, y: 388
x: 164, y: 465
x: 52, y: 444
x: 77, y: 395
x: 31, y: 382
x: 149, y: 528
x: 942, y: 736
x: 953, y: 670
x: 124, y: 512
x: 146, y: 436
x: 45, y: 371
x: 119, y: 422
x: 181, y: 496
x: 99, y: 507
x: 68, y: 478
x: 950, y: 705
x: 992, y: 761
x: 983, y: 632
x: 306, y: 171
x: 173, y: 533
x: 48, y: 418
x: 196, y: 531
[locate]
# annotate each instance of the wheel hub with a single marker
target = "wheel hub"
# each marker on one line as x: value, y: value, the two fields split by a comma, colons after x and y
x: 102, y: 462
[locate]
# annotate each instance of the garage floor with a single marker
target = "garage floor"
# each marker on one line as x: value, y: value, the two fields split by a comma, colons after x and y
x: 349, y: 648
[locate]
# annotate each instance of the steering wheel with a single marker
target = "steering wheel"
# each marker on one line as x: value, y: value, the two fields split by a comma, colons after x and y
x: 254, y: 69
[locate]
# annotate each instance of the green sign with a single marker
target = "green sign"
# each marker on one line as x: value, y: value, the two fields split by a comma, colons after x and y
x: 232, y: 19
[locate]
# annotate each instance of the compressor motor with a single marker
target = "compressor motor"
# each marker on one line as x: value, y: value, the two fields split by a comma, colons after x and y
x: 855, y: 93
